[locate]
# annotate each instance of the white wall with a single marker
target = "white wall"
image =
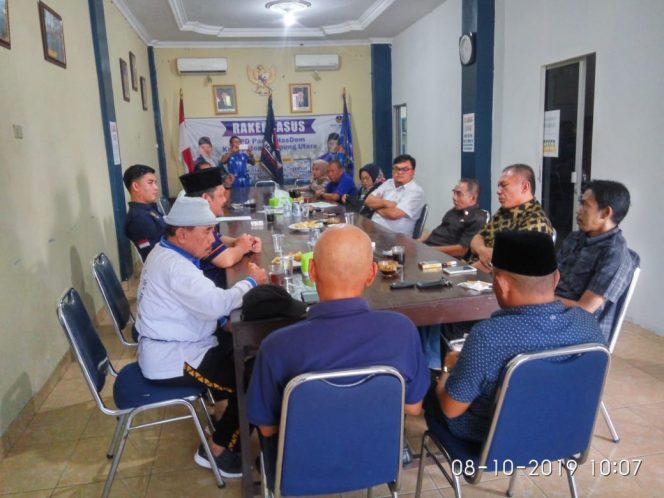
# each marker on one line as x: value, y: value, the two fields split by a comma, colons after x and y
x: 629, y: 107
x: 426, y: 76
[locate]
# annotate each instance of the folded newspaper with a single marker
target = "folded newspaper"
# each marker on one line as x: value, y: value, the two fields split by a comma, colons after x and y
x: 476, y: 285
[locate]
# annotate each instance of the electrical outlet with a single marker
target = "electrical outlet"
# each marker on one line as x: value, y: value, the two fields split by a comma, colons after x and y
x: 18, y: 131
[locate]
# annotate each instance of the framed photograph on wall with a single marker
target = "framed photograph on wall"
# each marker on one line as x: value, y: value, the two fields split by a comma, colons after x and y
x: 53, y: 35
x: 4, y: 24
x: 132, y: 70
x: 300, y: 97
x: 124, y: 76
x: 144, y: 93
x: 225, y: 99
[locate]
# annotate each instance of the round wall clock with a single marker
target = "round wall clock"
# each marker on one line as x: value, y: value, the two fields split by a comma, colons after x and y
x: 467, y: 49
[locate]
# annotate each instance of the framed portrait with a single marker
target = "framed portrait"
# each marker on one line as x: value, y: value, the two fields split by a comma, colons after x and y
x: 300, y: 97
x: 124, y: 76
x: 53, y: 35
x: 144, y: 93
x: 4, y: 24
x: 225, y: 99
x: 132, y: 70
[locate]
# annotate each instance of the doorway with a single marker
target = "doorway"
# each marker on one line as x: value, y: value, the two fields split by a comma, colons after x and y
x: 569, y: 96
x: 400, y: 129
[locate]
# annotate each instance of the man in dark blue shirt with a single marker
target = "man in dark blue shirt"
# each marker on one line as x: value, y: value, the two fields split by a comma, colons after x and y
x: 341, y: 183
x: 596, y: 266
x: 144, y: 225
x: 339, y: 332
x: 524, y: 278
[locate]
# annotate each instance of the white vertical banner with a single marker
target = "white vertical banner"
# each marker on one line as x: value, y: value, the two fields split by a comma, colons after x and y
x: 115, y: 141
x: 551, y: 133
x: 468, y: 132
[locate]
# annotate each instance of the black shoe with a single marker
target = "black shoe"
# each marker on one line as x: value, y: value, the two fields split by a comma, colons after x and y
x: 229, y: 463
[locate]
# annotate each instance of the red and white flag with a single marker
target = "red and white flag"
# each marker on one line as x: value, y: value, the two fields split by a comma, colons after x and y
x: 185, y: 147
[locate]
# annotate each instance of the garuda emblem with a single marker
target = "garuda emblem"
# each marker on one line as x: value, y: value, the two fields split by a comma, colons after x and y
x: 262, y: 78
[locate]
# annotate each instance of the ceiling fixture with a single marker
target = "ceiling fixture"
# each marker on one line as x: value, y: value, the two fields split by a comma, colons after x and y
x: 288, y: 8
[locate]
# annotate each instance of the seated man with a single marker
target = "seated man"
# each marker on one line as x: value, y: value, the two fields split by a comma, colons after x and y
x: 595, y: 264
x: 226, y: 251
x: 531, y: 319
x: 461, y: 223
x: 339, y: 332
x: 180, y: 341
x: 341, y: 183
x: 399, y: 201
x: 144, y: 225
x: 519, y: 210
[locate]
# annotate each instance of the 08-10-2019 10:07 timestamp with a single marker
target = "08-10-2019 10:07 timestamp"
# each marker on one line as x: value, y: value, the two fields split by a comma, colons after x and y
x: 603, y: 467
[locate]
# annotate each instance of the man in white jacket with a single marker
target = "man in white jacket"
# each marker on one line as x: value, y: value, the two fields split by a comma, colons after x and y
x: 180, y: 317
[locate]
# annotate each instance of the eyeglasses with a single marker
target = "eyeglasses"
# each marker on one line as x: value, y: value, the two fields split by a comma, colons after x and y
x: 400, y: 170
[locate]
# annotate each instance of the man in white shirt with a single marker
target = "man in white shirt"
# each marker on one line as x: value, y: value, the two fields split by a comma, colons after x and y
x: 179, y: 315
x: 399, y: 201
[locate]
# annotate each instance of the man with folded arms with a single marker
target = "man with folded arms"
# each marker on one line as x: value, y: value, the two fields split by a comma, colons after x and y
x: 398, y: 202
x: 340, y: 184
x: 181, y: 342
x: 144, y: 224
x: 525, y: 275
x: 226, y: 251
x: 596, y: 266
x: 339, y: 332
x: 519, y: 210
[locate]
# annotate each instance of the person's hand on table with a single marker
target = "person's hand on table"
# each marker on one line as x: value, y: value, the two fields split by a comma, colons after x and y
x: 257, y: 273
x: 256, y: 244
x: 244, y: 242
x: 485, y: 255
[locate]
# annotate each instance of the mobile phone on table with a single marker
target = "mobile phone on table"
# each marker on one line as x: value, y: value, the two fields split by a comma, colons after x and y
x: 402, y: 285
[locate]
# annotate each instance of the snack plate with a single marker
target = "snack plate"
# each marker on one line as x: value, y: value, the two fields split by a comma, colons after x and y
x: 300, y: 228
x: 393, y: 274
x: 296, y: 264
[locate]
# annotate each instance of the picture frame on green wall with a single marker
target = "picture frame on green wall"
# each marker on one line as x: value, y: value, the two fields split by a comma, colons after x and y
x: 124, y: 77
x: 53, y: 35
x: 225, y: 99
x: 144, y: 93
x: 5, y: 39
x: 133, y: 71
x: 300, y: 97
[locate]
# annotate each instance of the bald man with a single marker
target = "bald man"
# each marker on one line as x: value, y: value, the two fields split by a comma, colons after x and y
x: 339, y: 332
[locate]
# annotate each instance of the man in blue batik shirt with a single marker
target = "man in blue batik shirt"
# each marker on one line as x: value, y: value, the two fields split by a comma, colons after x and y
x: 525, y: 275
x: 596, y: 266
x: 341, y: 183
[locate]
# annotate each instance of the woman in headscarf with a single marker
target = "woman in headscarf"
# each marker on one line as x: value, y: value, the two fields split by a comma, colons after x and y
x: 370, y: 179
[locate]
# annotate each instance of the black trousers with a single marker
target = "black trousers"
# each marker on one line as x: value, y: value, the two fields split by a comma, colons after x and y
x: 217, y: 372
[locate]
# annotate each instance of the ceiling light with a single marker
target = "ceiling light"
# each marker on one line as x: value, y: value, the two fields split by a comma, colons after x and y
x: 288, y: 8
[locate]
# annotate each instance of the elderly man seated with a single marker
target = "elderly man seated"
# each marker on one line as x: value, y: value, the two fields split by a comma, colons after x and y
x: 595, y: 264
x: 341, y: 183
x: 519, y: 210
x: 226, y: 251
x: 181, y: 342
x: 525, y: 275
x: 339, y: 332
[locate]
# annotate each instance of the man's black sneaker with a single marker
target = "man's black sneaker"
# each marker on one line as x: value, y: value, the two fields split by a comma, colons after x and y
x: 228, y: 463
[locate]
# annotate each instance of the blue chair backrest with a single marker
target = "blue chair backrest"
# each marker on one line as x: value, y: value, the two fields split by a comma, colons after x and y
x: 111, y: 290
x: 419, y: 224
x: 340, y: 431
x: 623, y: 302
x: 547, y: 405
x: 164, y: 206
x: 88, y: 348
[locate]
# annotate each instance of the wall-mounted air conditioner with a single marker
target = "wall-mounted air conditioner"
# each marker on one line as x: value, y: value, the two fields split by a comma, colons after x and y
x: 210, y: 65
x: 316, y: 62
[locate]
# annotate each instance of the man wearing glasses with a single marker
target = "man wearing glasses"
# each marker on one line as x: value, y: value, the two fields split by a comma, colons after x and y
x: 399, y: 201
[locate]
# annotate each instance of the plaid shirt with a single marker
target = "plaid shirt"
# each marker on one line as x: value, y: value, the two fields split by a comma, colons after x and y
x: 603, y: 265
x: 528, y: 217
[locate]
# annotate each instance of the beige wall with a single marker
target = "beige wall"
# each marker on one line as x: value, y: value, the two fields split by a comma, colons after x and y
x: 54, y: 197
x: 354, y: 74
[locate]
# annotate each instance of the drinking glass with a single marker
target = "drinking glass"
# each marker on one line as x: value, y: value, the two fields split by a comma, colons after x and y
x: 314, y: 234
x: 278, y: 243
x: 350, y: 218
x: 276, y: 274
x: 398, y: 254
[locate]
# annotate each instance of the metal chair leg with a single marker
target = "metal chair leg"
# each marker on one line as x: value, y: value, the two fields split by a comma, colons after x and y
x: 121, y: 421
x: 208, y: 417
x: 573, y: 491
x: 124, y: 422
x: 420, y: 470
x: 204, y: 442
x: 609, y: 423
x: 510, y: 489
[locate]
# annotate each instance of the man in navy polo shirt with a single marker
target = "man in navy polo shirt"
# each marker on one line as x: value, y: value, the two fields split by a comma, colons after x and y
x: 525, y: 275
x: 339, y: 332
x: 144, y: 225
x: 341, y: 183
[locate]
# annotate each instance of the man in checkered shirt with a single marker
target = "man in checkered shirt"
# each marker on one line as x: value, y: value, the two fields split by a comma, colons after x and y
x: 596, y: 266
x: 519, y: 211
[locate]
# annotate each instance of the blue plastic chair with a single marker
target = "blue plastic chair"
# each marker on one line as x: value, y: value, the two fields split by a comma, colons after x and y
x: 545, y: 411
x: 133, y: 394
x: 115, y: 298
x: 340, y: 431
x: 419, y: 224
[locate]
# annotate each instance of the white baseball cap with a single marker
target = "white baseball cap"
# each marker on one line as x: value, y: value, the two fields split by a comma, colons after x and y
x: 190, y: 212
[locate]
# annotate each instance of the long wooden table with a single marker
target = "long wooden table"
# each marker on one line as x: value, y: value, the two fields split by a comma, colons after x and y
x: 423, y: 307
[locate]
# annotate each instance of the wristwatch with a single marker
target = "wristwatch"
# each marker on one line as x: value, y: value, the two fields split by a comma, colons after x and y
x: 446, y: 369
